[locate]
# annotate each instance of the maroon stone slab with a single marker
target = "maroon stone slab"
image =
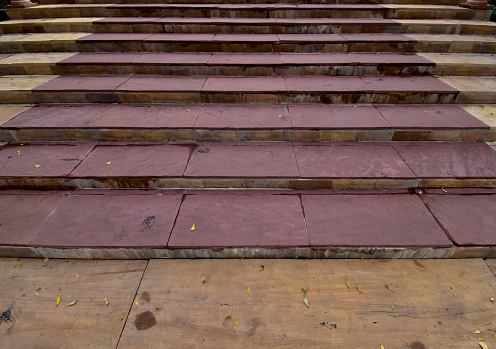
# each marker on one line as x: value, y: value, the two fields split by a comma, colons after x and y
x: 180, y: 37
x: 449, y: 160
x: 353, y: 59
x: 311, y: 38
x: 22, y: 215
x: 218, y: 20
x: 318, y: 58
x: 110, y: 221
x: 134, y: 161
x: 245, y: 38
x: 52, y: 116
x: 332, y: 84
x: 83, y: 83
x: 172, y: 58
x: 469, y: 220
x: 243, y: 161
x: 150, y: 116
x: 225, y: 116
x: 114, y: 37
x: 239, y: 221
x: 426, y: 84
x: 154, y: 83
x: 377, y: 37
x: 371, y: 221
x: 55, y: 160
x: 244, y: 84
x: 338, y: 21
x: 245, y: 59
x: 101, y: 58
x: 328, y: 116
x: 125, y: 20
x: 429, y: 116
x: 358, y: 160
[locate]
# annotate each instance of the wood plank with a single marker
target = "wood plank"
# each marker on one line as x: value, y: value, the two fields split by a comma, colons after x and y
x: 29, y: 289
x: 440, y: 303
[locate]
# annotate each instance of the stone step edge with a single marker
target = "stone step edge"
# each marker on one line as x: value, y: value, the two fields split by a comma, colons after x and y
x: 251, y: 252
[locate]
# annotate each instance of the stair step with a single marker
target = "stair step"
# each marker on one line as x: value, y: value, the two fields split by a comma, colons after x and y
x: 249, y: 11
x: 247, y: 25
x: 248, y: 224
x: 223, y: 122
x: 289, y: 89
x: 247, y: 165
x: 245, y: 43
x: 284, y: 64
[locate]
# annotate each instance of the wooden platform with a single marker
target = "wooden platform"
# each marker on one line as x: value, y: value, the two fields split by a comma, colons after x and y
x: 164, y: 303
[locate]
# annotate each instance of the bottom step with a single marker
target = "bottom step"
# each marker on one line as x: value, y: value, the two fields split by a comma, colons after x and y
x: 248, y: 224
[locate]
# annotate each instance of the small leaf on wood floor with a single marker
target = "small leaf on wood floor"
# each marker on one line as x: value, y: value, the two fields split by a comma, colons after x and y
x: 193, y: 227
x: 478, y: 331
x: 71, y: 303
x: 248, y: 290
x: 122, y: 316
x: 235, y: 325
x: 203, y: 279
x: 483, y: 345
x: 305, y: 301
x: 136, y: 302
x: 78, y: 276
x: 58, y: 301
x: 225, y: 319
x: 106, y: 301
x: 348, y: 282
x: 359, y: 289
x: 393, y: 306
x: 304, y: 290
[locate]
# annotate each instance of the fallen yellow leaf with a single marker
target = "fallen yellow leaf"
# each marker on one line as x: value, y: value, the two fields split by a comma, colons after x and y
x: 478, y: 331
x: 304, y: 290
x: 355, y: 267
x: 108, y: 163
x: 235, y: 325
x: 46, y: 260
x: 248, y: 290
x: 158, y: 308
x: 359, y: 289
x: 225, y: 319
x: 203, y: 279
x: 483, y: 345
x: 188, y: 110
x: 444, y: 190
x: 37, y: 294
x: 19, y: 266
x: 381, y: 347
x: 106, y: 301
x: 136, y: 302
x: 58, y: 301
x: 122, y: 316
x: 493, y: 300
x: 193, y: 227
x: 348, y: 283
x: 37, y: 165
x: 78, y: 276
x: 420, y: 192
x: 71, y: 303
x: 18, y: 152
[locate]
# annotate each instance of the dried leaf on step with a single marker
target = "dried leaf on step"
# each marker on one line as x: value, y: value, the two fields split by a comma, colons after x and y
x: 136, y: 302
x: 188, y: 110
x: 444, y: 191
x: 37, y: 165
x: 108, y: 163
x: 71, y: 303
x: 106, y: 301
x: 37, y: 294
x: 225, y: 319
x: 304, y: 290
x: 122, y: 316
x: 420, y: 192
x: 158, y: 308
x: 248, y: 290
x: 46, y: 260
x: 480, y: 339
x: 483, y: 345
x: 355, y: 267
x: 393, y: 306
x: 18, y: 152
x: 348, y: 282
x: 58, y: 301
x: 235, y: 325
x: 203, y: 279
x: 262, y: 267
x: 305, y: 301
x: 19, y: 266
x: 359, y: 289
x: 193, y: 227
x: 493, y: 300
x: 78, y: 276
x: 478, y: 331
x: 381, y: 347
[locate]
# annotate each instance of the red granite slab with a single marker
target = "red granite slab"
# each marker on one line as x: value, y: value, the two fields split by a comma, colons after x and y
x: 239, y: 221
x: 114, y: 37
x: 217, y: 20
x: 55, y: 160
x: 362, y: 160
x: 429, y: 116
x: 172, y: 58
x: 311, y: 38
x: 327, y: 116
x: 225, y: 116
x: 125, y: 20
x: 243, y: 160
x: 424, y: 84
x: 110, y: 221
x: 101, y: 58
x: 180, y: 37
x: 338, y: 21
x: 245, y: 59
x: 244, y: 84
x: 469, y: 220
x: 357, y: 7
x: 353, y: 59
x: 139, y: 83
x: 52, y: 116
x: 245, y: 38
x: 377, y: 37
x: 134, y: 161
x: 318, y: 58
x: 449, y: 160
x: 22, y: 215
x: 150, y: 116
x: 333, y: 84
x: 82, y: 83
x: 371, y: 220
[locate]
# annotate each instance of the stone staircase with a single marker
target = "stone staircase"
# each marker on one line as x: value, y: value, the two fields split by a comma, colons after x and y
x: 288, y: 129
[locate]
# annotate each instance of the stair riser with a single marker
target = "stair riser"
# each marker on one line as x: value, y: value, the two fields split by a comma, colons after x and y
x: 254, y: 135
x: 241, y: 183
x: 417, y: 2
x: 101, y: 11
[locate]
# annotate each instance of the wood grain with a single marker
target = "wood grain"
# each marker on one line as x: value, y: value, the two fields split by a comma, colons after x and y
x: 439, y: 304
x: 29, y: 289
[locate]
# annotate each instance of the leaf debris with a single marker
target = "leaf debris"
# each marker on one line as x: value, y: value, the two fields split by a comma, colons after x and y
x: 235, y: 325
x: 478, y: 331
x: 158, y: 308
x: 359, y: 289
x: 304, y: 290
x: 106, y: 301
x: 225, y: 319
x: 193, y: 227
x: 305, y: 301
x: 122, y: 316
x: 78, y: 276
x: 58, y: 301
x: 348, y: 282
x: 248, y: 290
x: 483, y: 345
x: 393, y: 306
x: 136, y: 302
x: 71, y: 303
x: 203, y: 279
